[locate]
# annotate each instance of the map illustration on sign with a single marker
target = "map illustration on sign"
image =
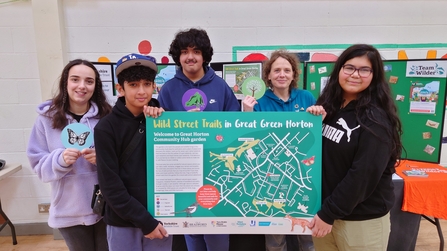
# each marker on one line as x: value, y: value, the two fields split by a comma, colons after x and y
x: 256, y: 173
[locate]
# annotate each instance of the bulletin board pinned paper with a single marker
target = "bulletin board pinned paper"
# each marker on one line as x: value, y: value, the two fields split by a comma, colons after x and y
x: 419, y: 90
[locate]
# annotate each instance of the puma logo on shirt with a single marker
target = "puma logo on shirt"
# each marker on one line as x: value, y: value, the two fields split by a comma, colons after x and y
x: 335, y: 134
x: 345, y: 126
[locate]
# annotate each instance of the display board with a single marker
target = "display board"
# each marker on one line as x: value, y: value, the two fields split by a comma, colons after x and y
x: 316, y: 75
x: 107, y: 74
x: 238, y: 173
x: 108, y: 79
x: 419, y: 90
x: 165, y: 73
x: 301, y: 76
x: 235, y: 73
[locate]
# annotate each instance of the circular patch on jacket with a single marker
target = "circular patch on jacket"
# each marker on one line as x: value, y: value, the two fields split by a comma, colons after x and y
x: 194, y: 98
x: 77, y: 136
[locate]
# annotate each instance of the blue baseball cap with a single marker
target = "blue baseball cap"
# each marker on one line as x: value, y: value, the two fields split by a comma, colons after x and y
x: 135, y: 59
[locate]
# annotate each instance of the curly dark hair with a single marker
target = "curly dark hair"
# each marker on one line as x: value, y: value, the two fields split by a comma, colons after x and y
x: 60, y: 105
x: 194, y: 38
x: 376, y: 97
x: 291, y: 58
x: 136, y: 73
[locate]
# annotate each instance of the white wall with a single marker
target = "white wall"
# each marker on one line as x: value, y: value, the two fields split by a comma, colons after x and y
x: 111, y: 28
x: 95, y: 28
x: 20, y: 92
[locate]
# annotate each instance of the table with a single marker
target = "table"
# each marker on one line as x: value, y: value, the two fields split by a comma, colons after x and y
x: 426, y: 196
x: 4, y: 220
x: 404, y: 225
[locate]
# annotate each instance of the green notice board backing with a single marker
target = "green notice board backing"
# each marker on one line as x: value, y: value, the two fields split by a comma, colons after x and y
x: 419, y: 90
x: 316, y: 76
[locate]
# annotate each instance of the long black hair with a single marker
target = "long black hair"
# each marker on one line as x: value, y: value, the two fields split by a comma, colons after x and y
x: 60, y: 105
x: 377, y: 96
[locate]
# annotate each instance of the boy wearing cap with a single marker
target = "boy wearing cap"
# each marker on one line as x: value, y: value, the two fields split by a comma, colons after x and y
x: 192, y: 52
x: 120, y: 140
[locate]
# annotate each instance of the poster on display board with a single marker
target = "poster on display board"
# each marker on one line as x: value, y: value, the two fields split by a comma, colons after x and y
x: 211, y: 173
x: 419, y: 91
x: 240, y: 74
x: 108, y: 79
x: 165, y: 73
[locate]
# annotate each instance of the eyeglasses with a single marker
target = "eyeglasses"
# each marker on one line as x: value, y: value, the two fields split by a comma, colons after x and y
x: 364, y: 72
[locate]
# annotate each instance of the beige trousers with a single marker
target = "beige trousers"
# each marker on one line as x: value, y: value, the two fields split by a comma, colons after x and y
x: 367, y: 235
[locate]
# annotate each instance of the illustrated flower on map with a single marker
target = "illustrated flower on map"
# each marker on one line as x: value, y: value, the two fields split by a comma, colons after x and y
x: 219, y: 138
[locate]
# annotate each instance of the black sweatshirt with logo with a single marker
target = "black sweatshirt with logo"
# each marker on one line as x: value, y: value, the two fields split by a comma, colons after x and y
x: 357, y: 167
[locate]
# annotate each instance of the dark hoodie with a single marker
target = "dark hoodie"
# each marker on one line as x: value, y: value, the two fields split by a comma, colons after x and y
x: 219, y: 96
x: 124, y: 187
x: 357, y: 167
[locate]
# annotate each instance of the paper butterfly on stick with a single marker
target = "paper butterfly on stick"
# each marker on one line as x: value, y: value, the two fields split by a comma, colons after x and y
x: 309, y: 161
x: 73, y: 138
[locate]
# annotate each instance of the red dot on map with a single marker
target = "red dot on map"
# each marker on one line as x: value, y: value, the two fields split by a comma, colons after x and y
x: 145, y: 47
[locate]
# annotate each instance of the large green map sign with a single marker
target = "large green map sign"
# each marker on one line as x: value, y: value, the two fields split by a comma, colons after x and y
x: 234, y: 172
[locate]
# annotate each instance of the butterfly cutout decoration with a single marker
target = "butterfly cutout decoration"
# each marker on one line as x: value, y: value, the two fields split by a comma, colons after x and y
x: 73, y: 138
x: 309, y: 161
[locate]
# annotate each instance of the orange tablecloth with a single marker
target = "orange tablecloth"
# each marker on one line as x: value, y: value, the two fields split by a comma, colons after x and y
x: 424, y: 195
